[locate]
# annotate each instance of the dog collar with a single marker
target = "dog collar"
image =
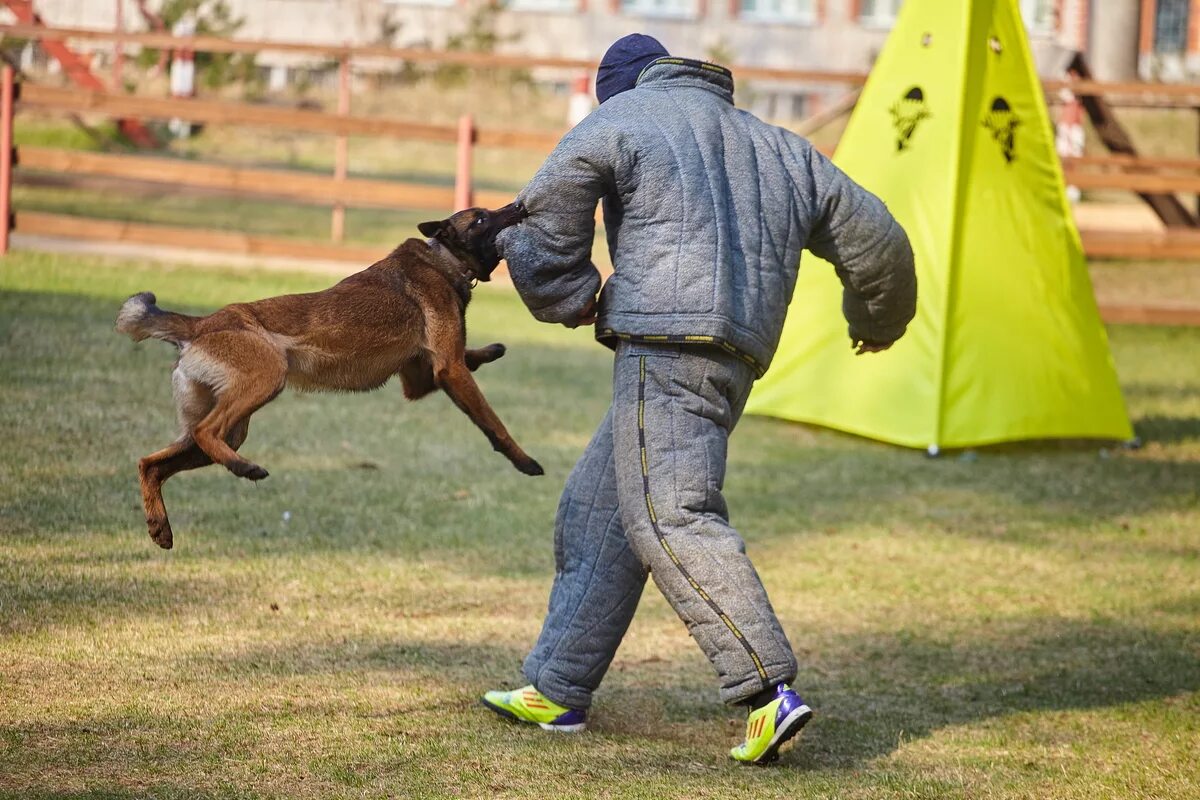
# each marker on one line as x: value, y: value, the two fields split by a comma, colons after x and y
x: 464, y: 276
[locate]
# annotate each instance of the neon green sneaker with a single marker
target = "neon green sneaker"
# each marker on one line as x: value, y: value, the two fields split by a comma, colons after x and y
x: 769, y: 726
x: 529, y: 705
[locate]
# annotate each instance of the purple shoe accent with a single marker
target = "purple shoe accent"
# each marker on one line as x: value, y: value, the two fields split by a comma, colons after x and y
x: 575, y: 716
x: 791, y: 701
x: 768, y: 696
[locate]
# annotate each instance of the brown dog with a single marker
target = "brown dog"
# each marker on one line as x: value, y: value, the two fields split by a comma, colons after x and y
x: 400, y: 316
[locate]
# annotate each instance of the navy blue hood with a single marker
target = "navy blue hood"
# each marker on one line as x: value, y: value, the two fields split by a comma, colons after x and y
x: 624, y: 61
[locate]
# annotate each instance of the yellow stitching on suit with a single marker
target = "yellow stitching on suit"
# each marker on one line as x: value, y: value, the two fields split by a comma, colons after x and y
x: 687, y: 338
x: 662, y: 540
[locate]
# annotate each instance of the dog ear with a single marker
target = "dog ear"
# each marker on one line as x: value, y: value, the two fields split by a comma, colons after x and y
x: 432, y: 228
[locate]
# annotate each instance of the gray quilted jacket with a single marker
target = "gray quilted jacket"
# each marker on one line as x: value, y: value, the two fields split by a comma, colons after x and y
x: 706, y: 209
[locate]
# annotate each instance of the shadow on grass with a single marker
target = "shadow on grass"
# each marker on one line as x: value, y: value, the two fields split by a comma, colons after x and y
x: 416, y: 662
x: 272, y: 725
x: 875, y: 692
x: 85, y: 404
x: 870, y: 692
x: 62, y: 596
x: 882, y: 688
x: 799, y: 481
x: 1168, y: 430
x: 1161, y: 391
x: 163, y: 789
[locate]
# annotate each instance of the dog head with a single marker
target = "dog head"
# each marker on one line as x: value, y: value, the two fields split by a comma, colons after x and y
x: 471, y: 235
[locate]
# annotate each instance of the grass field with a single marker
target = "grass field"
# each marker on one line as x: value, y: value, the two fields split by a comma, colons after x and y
x: 1020, y: 622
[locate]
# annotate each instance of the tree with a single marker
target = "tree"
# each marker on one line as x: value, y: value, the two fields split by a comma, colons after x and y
x: 213, y: 18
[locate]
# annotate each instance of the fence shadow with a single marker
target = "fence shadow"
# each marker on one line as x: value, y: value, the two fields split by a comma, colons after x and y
x: 873, y: 692
x: 373, y: 471
x: 1167, y: 430
x: 882, y: 687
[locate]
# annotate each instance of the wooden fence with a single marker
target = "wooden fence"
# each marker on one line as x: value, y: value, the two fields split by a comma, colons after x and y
x: 1120, y: 94
x: 212, y: 44
x: 337, y: 190
x: 284, y: 184
x: 1131, y: 93
x: 1125, y: 172
x: 1115, y: 172
x: 224, y: 112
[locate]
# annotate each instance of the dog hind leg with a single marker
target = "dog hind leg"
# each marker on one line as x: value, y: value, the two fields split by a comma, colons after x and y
x: 193, y: 400
x: 151, y: 475
x: 245, y: 372
x: 157, y: 468
x: 232, y: 410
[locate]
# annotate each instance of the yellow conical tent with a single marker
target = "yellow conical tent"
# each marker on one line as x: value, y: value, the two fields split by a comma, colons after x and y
x: 952, y: 132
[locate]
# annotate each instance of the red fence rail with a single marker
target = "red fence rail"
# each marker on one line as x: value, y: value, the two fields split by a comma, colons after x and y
x: 7, y: 91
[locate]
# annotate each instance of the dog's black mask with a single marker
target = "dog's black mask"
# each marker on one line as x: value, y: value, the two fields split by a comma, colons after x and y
x: 471, y: 235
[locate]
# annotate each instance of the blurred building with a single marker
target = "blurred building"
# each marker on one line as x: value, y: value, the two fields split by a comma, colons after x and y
x: 1169, y: 42
x: 1158, y: 38
x: 816, y: 34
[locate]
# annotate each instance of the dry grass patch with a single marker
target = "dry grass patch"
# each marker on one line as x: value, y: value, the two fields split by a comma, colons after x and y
x: 1021, y: 623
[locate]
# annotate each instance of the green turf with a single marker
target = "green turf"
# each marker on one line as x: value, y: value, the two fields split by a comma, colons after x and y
x: 1021, y: 622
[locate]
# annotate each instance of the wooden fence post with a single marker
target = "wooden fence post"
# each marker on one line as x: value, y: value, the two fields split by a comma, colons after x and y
x: 462, y: 175
x: 7, y: 93
x: 118, y: 46
x: 337, y: 228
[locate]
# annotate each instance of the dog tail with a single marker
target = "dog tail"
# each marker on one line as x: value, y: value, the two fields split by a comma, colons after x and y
x: 140, y: 319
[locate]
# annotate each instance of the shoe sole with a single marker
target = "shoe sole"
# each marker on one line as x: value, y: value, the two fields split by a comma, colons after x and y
x: 579, y: 727
x: 792, y: 725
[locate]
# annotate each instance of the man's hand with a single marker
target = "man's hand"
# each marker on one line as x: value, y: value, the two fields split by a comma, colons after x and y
x: 586, y: 317
x: 869, y: 347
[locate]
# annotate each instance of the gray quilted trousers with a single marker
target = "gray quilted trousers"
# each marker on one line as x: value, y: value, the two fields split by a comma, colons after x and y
x: 646, y: 497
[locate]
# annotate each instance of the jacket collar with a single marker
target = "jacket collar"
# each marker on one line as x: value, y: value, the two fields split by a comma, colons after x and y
x: 672, y: 71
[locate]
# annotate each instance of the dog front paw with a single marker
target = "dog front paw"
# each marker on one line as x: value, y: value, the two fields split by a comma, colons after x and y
x: 256, y: 473
x: 249, y: 471
x: 529, y: 467
x: 484, y: 355
x: 160, y: 532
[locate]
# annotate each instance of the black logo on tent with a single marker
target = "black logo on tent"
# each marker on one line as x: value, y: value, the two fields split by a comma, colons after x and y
x: 907, y: 113
x: 1003, y: 123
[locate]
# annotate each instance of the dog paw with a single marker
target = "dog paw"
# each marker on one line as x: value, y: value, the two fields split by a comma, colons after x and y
x: 530, y: 467
x: 160, y: 532
x: 256, y: 473
x: 249, y: 471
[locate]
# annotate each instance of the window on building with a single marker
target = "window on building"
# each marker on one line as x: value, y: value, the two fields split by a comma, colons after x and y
x: 1039, y: 15
x: 780, y: 107
x: 661, y: 8
x: 879, y: 13
x: 542, y: 5
x: 803, y: 11
x: 1171, y: 27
